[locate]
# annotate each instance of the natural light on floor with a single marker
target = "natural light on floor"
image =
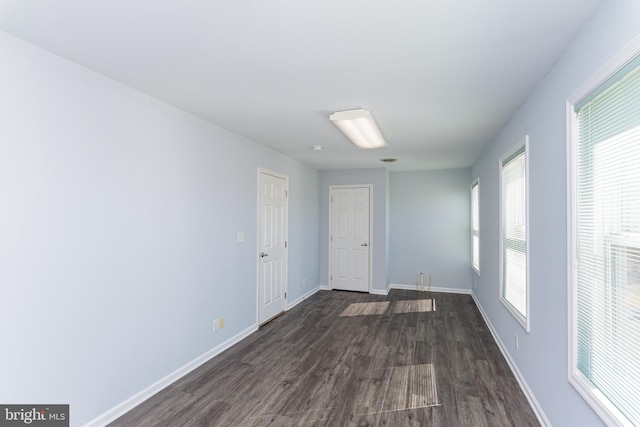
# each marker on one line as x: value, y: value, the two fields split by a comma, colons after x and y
x: 415, y: 387
x: 365, y: 309
x: 415, y: 306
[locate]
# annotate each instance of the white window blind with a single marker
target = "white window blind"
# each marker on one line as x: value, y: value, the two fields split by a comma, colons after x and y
x: 514, y: 234
x: 607, y: 241
x: 475, y: 226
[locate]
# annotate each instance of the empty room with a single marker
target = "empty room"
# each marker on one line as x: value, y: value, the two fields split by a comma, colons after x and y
x: 336, y: 213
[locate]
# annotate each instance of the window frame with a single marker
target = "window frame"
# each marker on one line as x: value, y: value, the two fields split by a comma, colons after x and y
x: 603, y: 407
x: 475, y: 183
x: 523, y: 320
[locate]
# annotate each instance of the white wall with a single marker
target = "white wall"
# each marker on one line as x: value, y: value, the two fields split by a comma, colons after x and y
x: 430, y: 227
x: 379, y: 178
x: 118, y: 222
x: 543, y: 355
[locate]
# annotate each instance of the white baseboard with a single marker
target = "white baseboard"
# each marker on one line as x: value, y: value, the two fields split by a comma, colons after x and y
x: 302, y: 298
x: 433, y: 289
x: 372, y: 291
x: 124, y: 407
x: 537, y: 409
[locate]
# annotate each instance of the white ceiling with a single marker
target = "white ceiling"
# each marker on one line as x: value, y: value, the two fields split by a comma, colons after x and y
x: 440, y: 77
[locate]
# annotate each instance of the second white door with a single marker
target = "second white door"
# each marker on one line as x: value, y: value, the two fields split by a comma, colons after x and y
x: 272, y: 255
x: 349, y: 239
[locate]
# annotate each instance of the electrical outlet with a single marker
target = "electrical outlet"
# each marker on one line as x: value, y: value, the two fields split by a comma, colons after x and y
x: 516, y: 341
x: 218, y: 324
x: 304, y: 281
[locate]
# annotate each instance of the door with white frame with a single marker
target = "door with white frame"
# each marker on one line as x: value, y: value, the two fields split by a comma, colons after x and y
x: 272, y: 244
x: 349, y: 242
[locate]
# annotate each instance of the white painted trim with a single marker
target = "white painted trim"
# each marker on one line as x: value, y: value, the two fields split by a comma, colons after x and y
x: 475, y: 182
x: 135, y: 400
x: 602, y: 406
x: 594, y: 398
x: 370, y: 187
x: 624, y: 57
x: 535, y: 405
x: 379, y: 292
x: 302, y: 298
x: 433, y: 289
x: 286, y: 238
x: 325, y: 287
x: 572, y: 303
x: 525, y: 321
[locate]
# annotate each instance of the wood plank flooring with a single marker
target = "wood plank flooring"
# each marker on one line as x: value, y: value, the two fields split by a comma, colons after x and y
x: 412, y: 364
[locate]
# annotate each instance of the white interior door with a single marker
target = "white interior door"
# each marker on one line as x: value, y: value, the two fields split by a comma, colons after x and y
x: 349, y: 239
x: 272, y: 251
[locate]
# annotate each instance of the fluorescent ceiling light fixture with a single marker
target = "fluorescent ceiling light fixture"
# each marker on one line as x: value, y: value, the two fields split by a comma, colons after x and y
x: 359, y: 127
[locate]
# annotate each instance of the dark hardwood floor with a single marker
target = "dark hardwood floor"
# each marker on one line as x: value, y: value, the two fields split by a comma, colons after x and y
x: 313, y: 367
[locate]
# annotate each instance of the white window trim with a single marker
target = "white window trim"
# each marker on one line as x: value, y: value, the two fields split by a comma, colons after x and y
x: 524, y: 321
x: 598, y: 402
x: 475, y: 182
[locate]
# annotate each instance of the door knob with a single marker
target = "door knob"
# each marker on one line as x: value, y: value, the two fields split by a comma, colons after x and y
x: 262, y: 255
x: 364, y: 244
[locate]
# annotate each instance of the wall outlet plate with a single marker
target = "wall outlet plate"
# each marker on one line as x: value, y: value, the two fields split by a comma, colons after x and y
x: 218, y: 324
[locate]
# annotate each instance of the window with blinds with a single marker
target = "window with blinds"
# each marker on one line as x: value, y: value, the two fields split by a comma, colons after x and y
x: 513, y: 230
x: 606, y: 224
x: 475, y: 226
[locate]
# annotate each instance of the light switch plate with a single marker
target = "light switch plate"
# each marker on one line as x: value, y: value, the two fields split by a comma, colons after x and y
x: 240, y: 236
